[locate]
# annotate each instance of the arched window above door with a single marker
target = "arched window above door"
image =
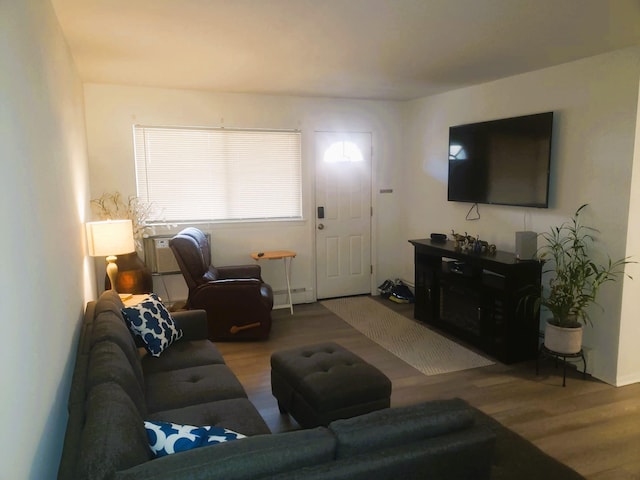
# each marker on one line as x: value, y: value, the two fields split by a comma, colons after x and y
x: 343, y: 152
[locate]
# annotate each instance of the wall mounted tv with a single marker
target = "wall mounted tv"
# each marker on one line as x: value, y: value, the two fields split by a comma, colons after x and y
x: 502, y: 162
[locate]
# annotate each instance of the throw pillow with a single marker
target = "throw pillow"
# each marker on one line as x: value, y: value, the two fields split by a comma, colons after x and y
x: 166, y: 438
x: 152, y: 323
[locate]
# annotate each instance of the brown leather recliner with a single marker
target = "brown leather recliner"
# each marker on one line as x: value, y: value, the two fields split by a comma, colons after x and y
x: 237, y: 301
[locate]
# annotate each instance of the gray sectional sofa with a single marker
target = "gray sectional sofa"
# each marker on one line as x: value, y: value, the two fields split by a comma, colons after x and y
x: 115, y: 388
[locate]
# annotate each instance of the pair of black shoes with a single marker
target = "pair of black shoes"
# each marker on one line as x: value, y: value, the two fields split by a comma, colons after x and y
x: 396, y: 291
x: 386, y: 288
x: 401, y: 293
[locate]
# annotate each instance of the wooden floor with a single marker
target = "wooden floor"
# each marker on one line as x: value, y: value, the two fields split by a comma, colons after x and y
x: 589, y: 425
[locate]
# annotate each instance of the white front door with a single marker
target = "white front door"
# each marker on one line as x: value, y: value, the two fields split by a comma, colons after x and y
x: 343, y: 214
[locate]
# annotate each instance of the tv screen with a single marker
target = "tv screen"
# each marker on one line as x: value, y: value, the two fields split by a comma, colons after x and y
x: 502, y: 162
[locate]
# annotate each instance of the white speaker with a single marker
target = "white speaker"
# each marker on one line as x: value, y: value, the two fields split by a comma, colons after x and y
x: 526, y: 245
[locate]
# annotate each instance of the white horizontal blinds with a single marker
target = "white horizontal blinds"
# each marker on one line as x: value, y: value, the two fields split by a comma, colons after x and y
x: 193, y: 174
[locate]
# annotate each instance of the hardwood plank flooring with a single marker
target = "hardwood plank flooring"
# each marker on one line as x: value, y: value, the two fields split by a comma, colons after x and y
x: 589, y: 425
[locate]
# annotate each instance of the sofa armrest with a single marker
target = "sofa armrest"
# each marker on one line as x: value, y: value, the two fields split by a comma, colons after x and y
x: 193, y: 324
x: 233, y: 294
x: 400, y: 426
x: 462, y: 455
x: 260, y: 456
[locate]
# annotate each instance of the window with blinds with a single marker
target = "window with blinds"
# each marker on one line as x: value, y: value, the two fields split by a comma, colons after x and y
x: 213, y: 174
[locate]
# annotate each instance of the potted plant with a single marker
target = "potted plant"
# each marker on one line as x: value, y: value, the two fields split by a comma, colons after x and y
x: 574, y: 283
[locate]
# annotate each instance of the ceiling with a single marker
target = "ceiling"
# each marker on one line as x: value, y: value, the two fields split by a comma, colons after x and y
x: 373, y: 49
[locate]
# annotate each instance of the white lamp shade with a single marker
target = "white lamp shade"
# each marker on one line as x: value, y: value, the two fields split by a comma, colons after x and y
x: 111, y: 237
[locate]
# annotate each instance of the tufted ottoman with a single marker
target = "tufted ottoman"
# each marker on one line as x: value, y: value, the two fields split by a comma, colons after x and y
x: 320, y: 383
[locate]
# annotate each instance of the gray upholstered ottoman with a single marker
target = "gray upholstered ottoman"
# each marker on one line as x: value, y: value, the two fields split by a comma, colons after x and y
x: 317, y: 384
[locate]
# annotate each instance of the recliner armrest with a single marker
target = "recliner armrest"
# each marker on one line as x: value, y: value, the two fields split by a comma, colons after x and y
x: 237, y: 271
x: 193, y: 324
x: 233, y: 292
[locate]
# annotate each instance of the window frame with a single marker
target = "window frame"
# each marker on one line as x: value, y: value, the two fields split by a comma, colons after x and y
x: 236, y: 160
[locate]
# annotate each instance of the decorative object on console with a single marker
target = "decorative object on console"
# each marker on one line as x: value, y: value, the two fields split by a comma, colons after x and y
x: 470, y: 244
x: 575, y: 282
x: 109, y: 239
x: 439, y: 237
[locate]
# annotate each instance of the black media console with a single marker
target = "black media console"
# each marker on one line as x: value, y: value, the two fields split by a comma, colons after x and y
x: 478, y: 298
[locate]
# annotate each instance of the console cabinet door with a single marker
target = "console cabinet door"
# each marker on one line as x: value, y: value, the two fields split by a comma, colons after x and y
x: 426, y: 288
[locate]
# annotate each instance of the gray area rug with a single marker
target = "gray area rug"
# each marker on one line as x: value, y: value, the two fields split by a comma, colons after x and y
x: 409, y: 340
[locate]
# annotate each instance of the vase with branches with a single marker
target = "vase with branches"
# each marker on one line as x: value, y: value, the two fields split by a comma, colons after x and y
x: 114, y: 206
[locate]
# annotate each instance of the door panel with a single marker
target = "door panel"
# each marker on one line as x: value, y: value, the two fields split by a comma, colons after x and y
x: 343, y: 235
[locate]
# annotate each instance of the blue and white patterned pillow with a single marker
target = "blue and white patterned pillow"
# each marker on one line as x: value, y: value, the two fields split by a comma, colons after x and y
x: 152, y: 323
x: 166, y: 438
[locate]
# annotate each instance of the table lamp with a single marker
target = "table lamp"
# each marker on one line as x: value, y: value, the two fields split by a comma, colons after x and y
x: 108, y: 239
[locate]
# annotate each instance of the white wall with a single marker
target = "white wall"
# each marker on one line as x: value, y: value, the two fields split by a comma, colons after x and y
x: 112, y: 110
x: 628, y: 359
x: 595, y: 105
x: 44, y: 279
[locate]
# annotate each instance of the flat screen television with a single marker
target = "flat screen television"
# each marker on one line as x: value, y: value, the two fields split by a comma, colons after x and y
x: 502, y: 162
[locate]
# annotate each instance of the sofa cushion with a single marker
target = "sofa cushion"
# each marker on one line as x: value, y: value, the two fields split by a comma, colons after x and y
x: 238, y: 414
x: 167, y: 438
x: 400, y: 426
x: 190, y: 386
x: 152, y: 323
x: 183, y: 354
x: 113, y: 437
x: 259, y: 457
x: 111, y: 326
x: 108, y: 363
x: 193, y: 324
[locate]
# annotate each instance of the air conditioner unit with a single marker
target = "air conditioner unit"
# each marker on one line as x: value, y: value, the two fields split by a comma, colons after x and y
x: 158, y: 255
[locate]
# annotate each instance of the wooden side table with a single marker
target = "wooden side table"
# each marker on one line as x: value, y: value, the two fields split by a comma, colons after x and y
x: 286, y: 256
x: 132, y: 299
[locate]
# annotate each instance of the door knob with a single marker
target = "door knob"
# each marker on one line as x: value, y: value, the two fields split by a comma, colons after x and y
x: 320, y: 226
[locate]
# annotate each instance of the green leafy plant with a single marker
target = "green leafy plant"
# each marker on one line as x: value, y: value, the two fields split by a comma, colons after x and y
x: 575, y: 278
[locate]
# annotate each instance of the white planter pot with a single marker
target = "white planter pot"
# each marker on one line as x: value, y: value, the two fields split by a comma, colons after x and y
x: 563, y: 340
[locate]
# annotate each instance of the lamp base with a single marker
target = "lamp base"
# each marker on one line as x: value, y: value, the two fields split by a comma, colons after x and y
x: 133, y: 275
x: 112, y: 270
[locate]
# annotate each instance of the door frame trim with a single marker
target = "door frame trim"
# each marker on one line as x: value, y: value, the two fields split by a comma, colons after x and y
x: 373, y: 224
